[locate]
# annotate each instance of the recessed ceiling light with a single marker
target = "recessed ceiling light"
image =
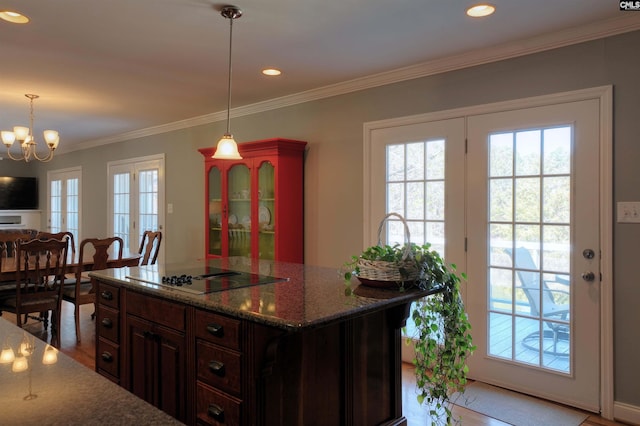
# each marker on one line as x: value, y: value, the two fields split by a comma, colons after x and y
x: 480, y: 10
x: 14, y: 17
x: 271, y: 71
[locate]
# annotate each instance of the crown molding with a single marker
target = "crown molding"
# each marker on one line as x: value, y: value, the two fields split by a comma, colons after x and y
x: 570, y: 36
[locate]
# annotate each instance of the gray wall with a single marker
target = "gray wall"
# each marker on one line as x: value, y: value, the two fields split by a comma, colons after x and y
x: 15, y: 168
x: 333, y: 128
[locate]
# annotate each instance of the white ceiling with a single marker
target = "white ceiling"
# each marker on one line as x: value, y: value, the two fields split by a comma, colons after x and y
x: 109, y: 70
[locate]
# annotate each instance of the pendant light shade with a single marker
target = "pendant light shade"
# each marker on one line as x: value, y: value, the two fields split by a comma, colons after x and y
x: 227, y: 148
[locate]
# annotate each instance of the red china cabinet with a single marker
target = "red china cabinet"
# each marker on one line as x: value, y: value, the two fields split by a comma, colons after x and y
x: 254, y: 206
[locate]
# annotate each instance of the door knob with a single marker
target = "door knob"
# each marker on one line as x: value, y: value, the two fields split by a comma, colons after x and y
x: 588, y: 254
x: 588, y: 276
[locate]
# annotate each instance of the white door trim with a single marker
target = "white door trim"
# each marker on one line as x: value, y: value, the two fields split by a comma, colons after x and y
x: 605, y: 96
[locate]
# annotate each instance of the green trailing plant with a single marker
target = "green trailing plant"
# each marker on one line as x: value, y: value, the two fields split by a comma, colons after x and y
x: 442, y: 337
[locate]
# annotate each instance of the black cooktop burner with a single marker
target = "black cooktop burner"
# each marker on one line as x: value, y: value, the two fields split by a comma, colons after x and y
x: 200, y: 280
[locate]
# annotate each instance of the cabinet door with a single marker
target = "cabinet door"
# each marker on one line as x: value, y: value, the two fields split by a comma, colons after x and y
x: 215, y: 210
x: 266, y: 211
x: 157, y: 365
x: 239, y: 209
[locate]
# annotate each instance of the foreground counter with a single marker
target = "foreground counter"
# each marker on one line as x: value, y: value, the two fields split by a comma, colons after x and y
x: 46, y: 387
x: 297, y: 348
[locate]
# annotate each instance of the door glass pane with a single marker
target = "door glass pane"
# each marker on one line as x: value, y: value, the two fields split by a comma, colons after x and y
x: 148, y: 200
x: 121, y: 206
x: 415, y: 189
x: 55, y: 203
x: 529, y: 247
x: 73, y: 207
x: 239, y: 197
x: 266, y: 211
x: 215, y: 212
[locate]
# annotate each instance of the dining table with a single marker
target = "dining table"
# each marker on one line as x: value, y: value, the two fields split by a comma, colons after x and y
x: 8, y: 264
x: 74, y: 263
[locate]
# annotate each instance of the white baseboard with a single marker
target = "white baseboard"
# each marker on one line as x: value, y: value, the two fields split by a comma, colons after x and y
x: 626, y: 413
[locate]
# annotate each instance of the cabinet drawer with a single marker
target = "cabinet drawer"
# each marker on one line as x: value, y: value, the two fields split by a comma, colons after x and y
x: 108, y: 323
x: 219, y: 367
x: 109, y: 295
x: 157, y: 310
x: 218, y: 329
x: 108, y: 357
x: 216, y: 408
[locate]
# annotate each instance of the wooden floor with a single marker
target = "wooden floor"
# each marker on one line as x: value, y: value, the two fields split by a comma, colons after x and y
x: 84, y: 353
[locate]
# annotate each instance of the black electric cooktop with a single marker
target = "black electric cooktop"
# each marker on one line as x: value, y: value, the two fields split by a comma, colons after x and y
x: 199, y: 280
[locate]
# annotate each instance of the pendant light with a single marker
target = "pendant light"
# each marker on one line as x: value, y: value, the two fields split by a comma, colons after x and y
x: 227, y: 148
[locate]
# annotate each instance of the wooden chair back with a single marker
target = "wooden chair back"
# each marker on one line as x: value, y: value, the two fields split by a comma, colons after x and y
x: 42, y: 235
x: 10, y: 239
x: 104, y: 249
x: 149, y: 247
x: 39, y: 279
x: 81, y: 292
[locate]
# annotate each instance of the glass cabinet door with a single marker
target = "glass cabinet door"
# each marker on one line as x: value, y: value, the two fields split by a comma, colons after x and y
x: 239, y: 219
x: 215, y: 212
x: 266, y: 211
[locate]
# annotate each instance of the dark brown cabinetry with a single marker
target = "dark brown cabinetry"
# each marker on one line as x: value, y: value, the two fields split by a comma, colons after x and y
x: 156, y: 365
x: 141, y: 345
x: 218, y: 369
x: 108, y: 332
x: 155, y: 352
x: 211, y: 367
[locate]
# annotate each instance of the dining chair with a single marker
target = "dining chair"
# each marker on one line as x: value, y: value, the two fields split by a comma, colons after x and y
x: 149, y: 247
x: 43, y: 235
x: 9, y: 239
x: 40, y: 268
x: 82, y: 293
x: 70, y: 278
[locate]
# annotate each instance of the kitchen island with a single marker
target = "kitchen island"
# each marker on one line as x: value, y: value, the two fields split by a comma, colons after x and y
x: 239, y: 341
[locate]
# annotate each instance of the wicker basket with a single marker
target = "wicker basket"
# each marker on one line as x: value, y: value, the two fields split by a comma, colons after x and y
x: 380, y: 273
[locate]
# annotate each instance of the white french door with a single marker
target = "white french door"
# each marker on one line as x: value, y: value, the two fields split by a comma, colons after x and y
x: 521, y: 215
x: 136, y: 189
x: 416, y: 172
x: 64, y: 201
x: 533, y: 295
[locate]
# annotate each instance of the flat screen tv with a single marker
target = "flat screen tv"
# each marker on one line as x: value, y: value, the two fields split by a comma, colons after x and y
x: 18, y: 193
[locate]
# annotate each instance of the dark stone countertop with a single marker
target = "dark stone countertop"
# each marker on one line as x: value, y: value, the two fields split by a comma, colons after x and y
x: 68, y: 393
x: 312, y: 296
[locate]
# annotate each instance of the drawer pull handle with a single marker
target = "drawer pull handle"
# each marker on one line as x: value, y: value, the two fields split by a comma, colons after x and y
x: 217, y: 368
x: 215, y: 329
x: 107, y: 357
x: 217, y: 412
x: 107, y: 295
x: 107, y: 323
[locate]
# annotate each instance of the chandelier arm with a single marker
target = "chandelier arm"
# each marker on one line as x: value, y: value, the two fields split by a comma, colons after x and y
x: 16, y: 158
x: 42, y: 159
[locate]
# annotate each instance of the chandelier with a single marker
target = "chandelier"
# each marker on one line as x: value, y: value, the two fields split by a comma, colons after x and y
x: 227, y: 148
x: 28, y: 145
